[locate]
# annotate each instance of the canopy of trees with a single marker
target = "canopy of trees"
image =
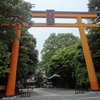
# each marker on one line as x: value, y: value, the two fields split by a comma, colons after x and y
x: 94, y: 36
x: 28, y: 57
x: 4, y: 59
x: 69, y: 63
x: 54, y: 43
x: 16, y: 12
x: 39, y: 74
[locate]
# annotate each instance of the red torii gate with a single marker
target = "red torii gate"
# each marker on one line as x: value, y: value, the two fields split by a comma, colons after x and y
x: 10, y: 90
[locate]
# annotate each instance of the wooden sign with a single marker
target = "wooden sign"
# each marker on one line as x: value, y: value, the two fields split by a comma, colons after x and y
x: 50, y: 19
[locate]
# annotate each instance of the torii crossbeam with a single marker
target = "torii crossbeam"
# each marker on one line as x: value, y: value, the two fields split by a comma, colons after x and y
x: 10, y: 91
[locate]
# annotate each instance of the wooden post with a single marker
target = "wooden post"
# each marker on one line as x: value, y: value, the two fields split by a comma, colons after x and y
x: 88, y: 58
x: 10, y: 90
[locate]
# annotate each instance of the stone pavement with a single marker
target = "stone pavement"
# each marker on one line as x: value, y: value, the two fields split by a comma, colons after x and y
x: 58, y: 94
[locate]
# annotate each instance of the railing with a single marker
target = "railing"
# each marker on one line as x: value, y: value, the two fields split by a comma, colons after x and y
x: 79, y: 91
x: 24, y: 91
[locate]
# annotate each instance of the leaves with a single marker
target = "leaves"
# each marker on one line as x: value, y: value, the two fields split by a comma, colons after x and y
x: 4, y: 59
x: 70, y: 64
x: 94, y: 36
x: 54, y: 43
x: 27, y: 59
x: 11, y: 12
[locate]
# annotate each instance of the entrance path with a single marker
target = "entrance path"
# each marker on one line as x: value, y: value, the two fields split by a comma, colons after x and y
x: 59, y: 91
x: 44, y: 93
x: 59, y: 94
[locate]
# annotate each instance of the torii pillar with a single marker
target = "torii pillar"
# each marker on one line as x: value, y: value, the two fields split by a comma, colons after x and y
x: 90, y: 66
x: 10, y: 90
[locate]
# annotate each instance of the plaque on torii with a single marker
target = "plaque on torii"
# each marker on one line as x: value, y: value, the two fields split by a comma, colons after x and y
x: 50, y: 18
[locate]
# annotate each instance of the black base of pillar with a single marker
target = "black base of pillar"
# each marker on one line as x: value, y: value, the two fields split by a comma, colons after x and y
x: 96, y: 90
x: 9, y: 97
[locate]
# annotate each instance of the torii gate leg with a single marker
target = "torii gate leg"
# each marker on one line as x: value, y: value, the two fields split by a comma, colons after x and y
x: 90, y: 67
x: 10, y: 90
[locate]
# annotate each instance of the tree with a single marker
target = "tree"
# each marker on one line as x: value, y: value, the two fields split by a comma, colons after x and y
x: 80, y: 74
x: 15, y: 11
x: 69, y: 63
x: 8, y: 11
x: 4, y: 59
x: 94, y: 35
x: 28, y: 57
x: 60, y: 64
x: 94, y: 40
x: 54, y: 43
x: 39, y: 74
x: 93, y: 5
x: 11, y: 12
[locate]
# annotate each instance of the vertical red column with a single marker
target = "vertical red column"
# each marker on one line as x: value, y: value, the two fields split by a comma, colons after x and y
x: 10, y: 90
x: 88, y: 58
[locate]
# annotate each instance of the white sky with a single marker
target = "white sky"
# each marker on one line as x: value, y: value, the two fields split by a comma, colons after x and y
x: 41, y: 34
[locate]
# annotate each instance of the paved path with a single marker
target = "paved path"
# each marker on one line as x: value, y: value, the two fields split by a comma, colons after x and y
x: 58, y: 94
x: 44, y: 93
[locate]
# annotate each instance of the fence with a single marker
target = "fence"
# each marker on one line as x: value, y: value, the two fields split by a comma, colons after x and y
x: 79, y: 91
x: 24, y: 91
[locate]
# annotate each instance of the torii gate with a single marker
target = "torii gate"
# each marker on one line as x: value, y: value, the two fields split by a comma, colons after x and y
x: 10, y: 90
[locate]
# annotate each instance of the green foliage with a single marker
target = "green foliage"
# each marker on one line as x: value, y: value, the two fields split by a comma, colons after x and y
x: 60, y: 62
x: 93, y: 5
x: 54, y: 43
x: 94, y: 37
x: 15, y: 11
x: 39, y: 74
x: 98, y: 76
x: 27, y: 59
x: 8, y: 11
x: 81, y: 74
x: 94, y: 41
x: 11, y: 12
x: 4, y: 59
x: 69, y: 63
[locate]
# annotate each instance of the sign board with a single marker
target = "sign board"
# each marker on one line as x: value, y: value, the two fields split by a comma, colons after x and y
x: 2, y: 87
x: 50, y: 19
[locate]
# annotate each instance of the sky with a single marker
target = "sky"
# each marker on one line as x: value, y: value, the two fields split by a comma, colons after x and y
x: 42, y: 33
